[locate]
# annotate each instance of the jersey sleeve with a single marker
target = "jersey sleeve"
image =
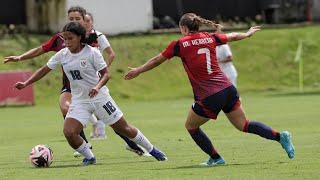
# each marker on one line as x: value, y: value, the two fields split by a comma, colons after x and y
x: 220, y: 38
x: 98, y: 61
x: 50, y: 44
x: 171, y: 50
x: 102, y: 42
x: 54, y: 61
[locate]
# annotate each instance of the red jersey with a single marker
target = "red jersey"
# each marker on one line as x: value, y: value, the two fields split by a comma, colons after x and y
x: 55, y: 43
x: 198, y: 54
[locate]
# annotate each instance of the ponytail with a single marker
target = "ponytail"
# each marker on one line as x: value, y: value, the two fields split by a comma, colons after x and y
x: 193, y: 22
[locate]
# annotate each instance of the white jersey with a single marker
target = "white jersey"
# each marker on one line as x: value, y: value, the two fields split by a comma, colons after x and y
x: 102, y: 40
x: 81, y: 69
x: 222, y: 53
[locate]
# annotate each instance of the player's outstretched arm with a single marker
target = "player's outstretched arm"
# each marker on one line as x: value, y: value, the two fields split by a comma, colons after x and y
x: 40, y: 73
x: 103, y: 81
x: 152, y: 63
x: 110, y: 55
x: 240, y: 36
x: 27, y: 55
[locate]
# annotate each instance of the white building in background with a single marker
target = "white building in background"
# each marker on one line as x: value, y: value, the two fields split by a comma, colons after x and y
x: 316, y: 10
x: 118, y: 16
x: 110, y: 16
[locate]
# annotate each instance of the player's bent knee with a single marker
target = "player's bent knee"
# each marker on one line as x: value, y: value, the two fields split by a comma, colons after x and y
x: 129, y: 131
x: 186, y: 125
x: 189, y: 125
x: 66, y: 132
x: 70, y: 132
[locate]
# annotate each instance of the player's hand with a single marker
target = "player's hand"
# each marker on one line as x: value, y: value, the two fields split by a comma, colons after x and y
x: 93, y: 93
x: 20, y: 85
x: 12, y: 59
x: 253, y: 30
x: 134, y: 72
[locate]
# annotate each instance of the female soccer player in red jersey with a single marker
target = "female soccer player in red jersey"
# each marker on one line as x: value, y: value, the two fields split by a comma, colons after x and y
x: 212, y: 90
x: 56, y: 43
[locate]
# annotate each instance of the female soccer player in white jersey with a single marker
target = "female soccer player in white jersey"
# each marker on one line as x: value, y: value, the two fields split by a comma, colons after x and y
x: 82, y: 63
x: 224, y: 57
x: 56, y: 43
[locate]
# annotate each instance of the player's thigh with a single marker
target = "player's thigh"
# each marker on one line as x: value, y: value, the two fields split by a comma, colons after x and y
x: 194, y: 120
x: 107, y: 110
x: 72, y: 126
x: 64, y: 102
x: 237, y: 118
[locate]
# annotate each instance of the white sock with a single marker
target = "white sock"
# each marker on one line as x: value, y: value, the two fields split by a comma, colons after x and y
x: 93, y: 119
x: 142, y: 141
x: 101, y: 131
x: 85, y: 150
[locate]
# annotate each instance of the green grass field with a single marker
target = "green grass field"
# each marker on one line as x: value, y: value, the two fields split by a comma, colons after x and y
x: 248, y: 156
x: 158, y: 101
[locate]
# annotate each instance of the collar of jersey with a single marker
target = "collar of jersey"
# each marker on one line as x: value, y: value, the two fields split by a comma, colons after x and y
x: 78, y: 53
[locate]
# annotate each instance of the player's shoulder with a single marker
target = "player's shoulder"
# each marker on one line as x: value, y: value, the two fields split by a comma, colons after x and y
x: 63, y: 52
x: 98, y: 33
x: 91, y: 49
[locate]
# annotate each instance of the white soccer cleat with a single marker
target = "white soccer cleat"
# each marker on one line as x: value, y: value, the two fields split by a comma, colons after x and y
x: 76, y: 154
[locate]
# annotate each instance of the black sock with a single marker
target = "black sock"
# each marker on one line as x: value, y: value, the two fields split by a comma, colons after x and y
x: 130, y: 143
x: 203, y: 142
x: 83, y: 136
x: 261, y: 130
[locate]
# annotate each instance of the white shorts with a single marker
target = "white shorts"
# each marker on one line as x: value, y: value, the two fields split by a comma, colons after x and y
x: 105, y: 109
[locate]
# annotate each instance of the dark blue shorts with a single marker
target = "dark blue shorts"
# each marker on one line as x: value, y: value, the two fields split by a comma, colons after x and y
x: 226, y: 100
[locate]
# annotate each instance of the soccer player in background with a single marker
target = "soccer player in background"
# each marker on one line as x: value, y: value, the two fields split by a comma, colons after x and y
x: 56, y: 43
x: 81, y: 63
x: 212, y: 90
x: 97, y: 39
x: 224, y: 58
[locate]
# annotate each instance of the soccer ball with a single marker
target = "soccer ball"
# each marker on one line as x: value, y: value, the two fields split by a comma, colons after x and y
x: 41, y: 156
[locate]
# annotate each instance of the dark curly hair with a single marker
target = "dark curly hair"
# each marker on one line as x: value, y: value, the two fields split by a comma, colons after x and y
x: 77, y: 29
